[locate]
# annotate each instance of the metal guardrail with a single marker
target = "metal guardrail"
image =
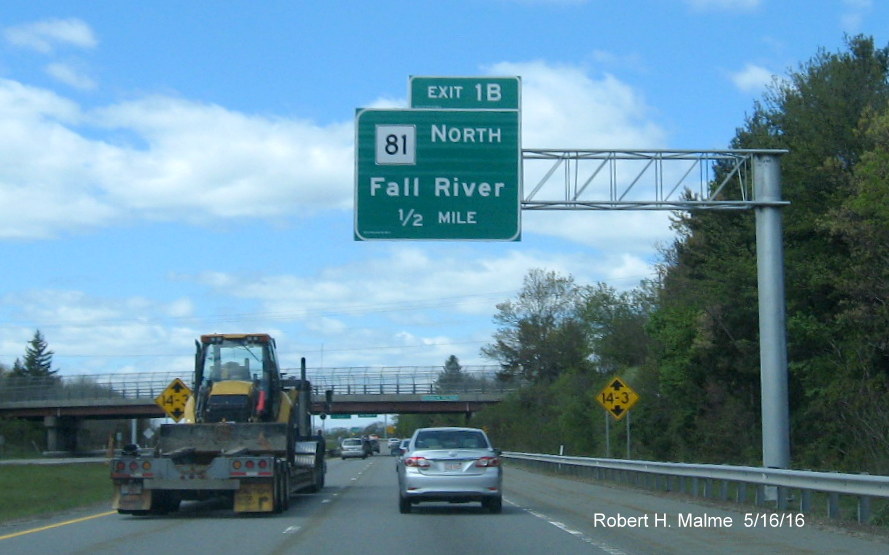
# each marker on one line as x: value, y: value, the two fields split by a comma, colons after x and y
x: 770, y: 485
x: 343, y: 381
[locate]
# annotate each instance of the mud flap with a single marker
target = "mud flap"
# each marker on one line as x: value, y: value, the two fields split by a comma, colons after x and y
x: 130, y: 500
x: 255, y: 497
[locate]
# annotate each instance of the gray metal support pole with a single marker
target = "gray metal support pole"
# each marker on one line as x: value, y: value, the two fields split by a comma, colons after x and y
x: 628, y: 435
x: 607, y: 435
x: 772, y: 324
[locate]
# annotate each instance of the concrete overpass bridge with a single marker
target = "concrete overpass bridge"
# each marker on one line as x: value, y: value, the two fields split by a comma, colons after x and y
x: 63, y: 402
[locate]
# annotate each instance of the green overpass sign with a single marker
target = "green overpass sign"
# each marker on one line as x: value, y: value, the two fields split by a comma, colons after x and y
x: 438, y: 174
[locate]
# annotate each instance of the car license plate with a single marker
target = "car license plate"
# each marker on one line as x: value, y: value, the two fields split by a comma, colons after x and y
x: 453, y: 466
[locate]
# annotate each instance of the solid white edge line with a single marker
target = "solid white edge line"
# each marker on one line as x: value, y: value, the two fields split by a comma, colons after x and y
x: 576, y: 533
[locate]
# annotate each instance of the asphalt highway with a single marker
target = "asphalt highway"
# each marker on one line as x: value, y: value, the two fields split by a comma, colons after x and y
x: 357, y: 512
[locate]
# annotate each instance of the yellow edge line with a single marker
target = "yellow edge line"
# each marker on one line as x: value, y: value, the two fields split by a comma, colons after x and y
x: 57, y: 525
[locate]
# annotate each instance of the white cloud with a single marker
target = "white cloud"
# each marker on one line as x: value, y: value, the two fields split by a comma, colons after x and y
x: 563, y: 107
x: 86, y: 332
x: 205, y: 162
x: 199, y: 163
x: 752, y: 78
x: 613, y: 232
x: 68, y: 74
x: 45, y: 181
x: 421, y: 306
x: 403, y: 284
x: 47, y: 35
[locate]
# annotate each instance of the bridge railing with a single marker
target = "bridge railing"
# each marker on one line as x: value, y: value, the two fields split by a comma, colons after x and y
x: 411, y: 380
x: 85, y: 387
x: 778, y: 488
x: 342, y: 381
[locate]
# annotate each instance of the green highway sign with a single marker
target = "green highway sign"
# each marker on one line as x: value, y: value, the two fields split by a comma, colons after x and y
x: 474, y: 93
x: 440, y: 398
x: 341, y: 416
x: 440, y: 174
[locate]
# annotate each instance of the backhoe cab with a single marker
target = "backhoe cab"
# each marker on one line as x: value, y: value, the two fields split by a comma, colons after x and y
x: 238, y: 380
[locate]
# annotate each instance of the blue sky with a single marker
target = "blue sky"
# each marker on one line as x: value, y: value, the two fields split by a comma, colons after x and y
x: 174, y: 168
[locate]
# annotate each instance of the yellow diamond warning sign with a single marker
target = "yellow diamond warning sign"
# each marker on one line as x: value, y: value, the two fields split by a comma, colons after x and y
x: 617, y: 397
x: 173, y: 399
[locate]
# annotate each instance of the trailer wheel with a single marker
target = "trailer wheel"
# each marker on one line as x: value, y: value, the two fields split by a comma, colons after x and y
x: 164, y: 502
x: 318, y: 481
x: 278, y: 490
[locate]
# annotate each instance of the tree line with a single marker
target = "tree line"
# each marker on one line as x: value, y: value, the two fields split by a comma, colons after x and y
x: 688, y: 340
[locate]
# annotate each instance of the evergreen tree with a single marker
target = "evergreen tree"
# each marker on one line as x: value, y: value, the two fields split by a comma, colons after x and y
x: 452, y: 377
x: 18, y: 369
x: 38, y: 358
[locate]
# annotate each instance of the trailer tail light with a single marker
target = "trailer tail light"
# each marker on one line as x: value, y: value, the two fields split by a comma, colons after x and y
x: 132, y: 468
x: 486, y: 462
x: 245, y: 467
x: 417, y: 462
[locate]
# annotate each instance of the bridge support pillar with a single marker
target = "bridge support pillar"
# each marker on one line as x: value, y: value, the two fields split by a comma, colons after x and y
x: 61, y: 433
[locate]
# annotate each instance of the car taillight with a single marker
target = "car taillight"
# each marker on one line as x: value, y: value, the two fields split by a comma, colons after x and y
x: 488, y: 461
x: 419, y: 462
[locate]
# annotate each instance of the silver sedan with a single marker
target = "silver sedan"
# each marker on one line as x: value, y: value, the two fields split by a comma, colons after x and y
x: 457, y: 465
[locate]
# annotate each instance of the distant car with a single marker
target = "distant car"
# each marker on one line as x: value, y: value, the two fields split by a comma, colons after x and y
x: 392, y: 444
x: 457, y: 465
x: 353, y: 447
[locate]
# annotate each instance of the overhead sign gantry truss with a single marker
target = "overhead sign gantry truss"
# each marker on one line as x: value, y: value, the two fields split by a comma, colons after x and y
x: 556, y: 179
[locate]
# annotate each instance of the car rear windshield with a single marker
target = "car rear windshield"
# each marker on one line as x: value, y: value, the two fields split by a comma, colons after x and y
x: 451, y: 439
x: 351, y: 442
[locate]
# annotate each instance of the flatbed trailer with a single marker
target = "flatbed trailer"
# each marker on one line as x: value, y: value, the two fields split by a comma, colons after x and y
x: 253, y: 483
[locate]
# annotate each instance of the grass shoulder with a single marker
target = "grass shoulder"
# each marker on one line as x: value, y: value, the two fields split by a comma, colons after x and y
x: 38, y: 489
